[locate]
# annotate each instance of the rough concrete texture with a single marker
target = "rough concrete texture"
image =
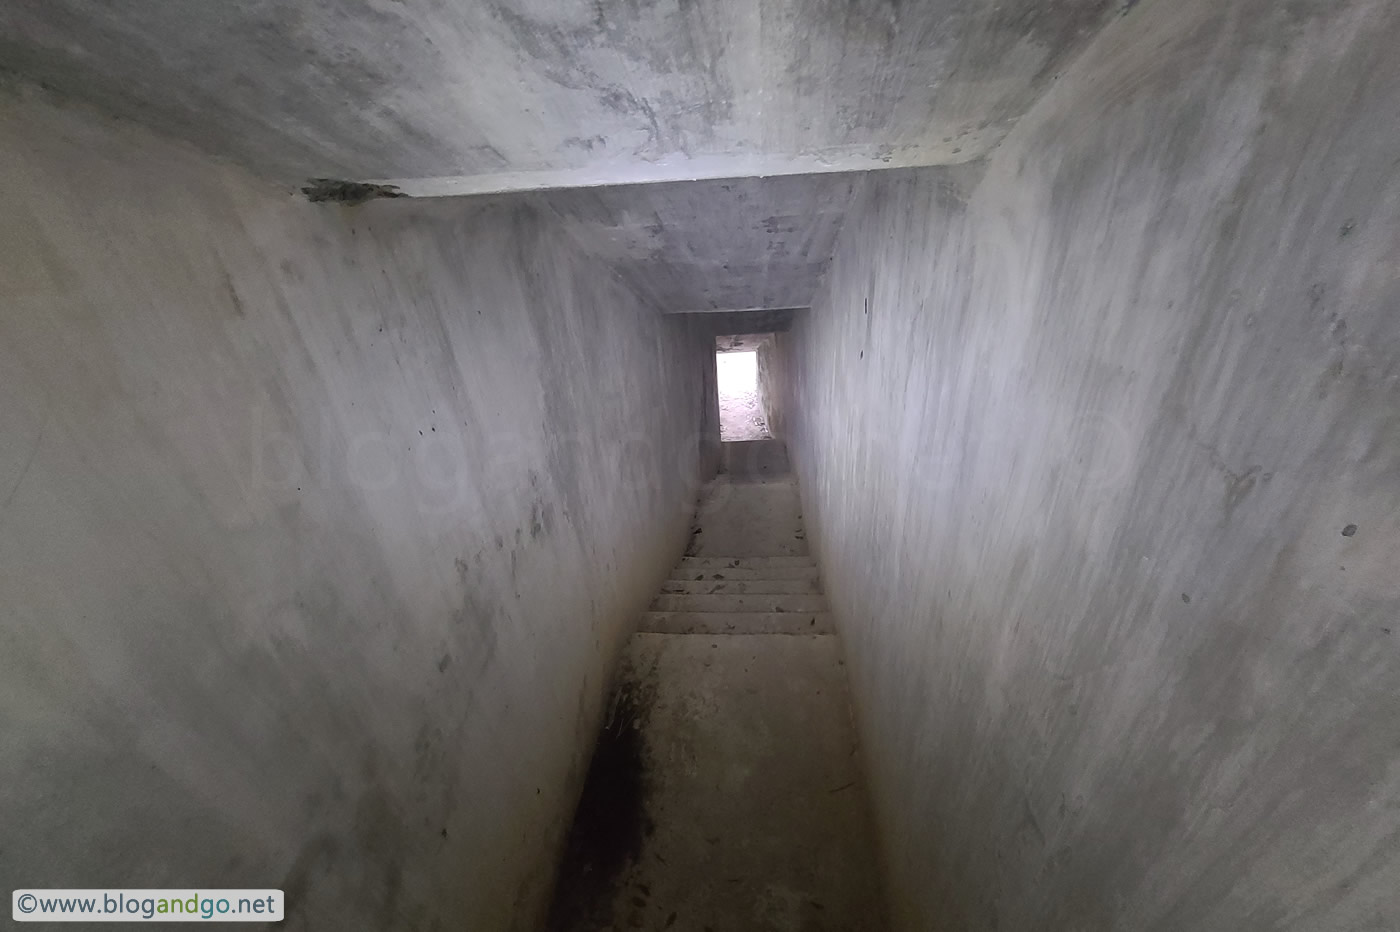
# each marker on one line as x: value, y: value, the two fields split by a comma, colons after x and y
x: 1100, y: 458
x: 748, y: 517
x: 320, y: 528
x: 719, y: 622
x: 494, y: 95
x: 743, y: 802
x: 1098, y: 428
x: 729, y: 244
x: 741, y: 342
x: 753, y: 459
x: 746, y: 321
x: 689, y: 583
x: 738, y: 602
x: 775, y: 375
x: 764, y: 562
x: 701, y: 568
x: 755, y: 790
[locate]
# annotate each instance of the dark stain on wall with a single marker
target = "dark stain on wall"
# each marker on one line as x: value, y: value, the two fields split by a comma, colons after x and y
x: 347, y: 192
x: 611, y: 822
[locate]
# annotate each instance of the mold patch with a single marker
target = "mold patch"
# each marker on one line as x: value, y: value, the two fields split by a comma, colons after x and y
x: 611, y: 822
x: 338, y: 191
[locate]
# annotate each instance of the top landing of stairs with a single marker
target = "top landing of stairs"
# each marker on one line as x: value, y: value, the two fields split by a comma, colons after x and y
x: 753, y: 459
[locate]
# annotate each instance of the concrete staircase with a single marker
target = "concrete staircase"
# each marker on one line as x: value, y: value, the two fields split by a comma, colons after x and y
x: 740, y: 595
x: 750, y: 807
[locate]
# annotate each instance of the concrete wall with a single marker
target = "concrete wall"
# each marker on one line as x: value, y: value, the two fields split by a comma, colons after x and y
x: 775, y: 375
x: 1101, y: 455
x: 319, y: 528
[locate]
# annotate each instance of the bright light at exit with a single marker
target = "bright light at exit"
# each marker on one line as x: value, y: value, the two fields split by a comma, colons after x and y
x: 740, y: 410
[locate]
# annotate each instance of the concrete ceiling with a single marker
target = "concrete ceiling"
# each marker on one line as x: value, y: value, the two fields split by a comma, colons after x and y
x: 775, y: 320
x: 733, y: 244
x: 471, y: 96
x: 592, y: 96
x: 741, y: 342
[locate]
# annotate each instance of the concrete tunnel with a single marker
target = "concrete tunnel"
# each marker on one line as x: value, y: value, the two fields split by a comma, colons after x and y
x: 367, y: 535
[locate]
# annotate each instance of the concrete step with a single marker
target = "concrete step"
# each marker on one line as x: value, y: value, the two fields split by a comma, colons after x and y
x: 734, y: 602
x: 753, y: 788
x: 719, y: 564
x: 735, y: 623
x: 739, y: 586
x: 753, y: 458
x: 730, y: 572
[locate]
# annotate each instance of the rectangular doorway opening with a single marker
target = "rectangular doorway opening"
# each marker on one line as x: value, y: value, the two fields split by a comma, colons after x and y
x: 741, y: 414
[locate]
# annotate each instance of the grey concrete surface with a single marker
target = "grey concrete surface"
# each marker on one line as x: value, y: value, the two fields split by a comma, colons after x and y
x: 751, y: 518
x: 746, y: 460
x: 714, y: 245
x: 490, y: 96
x: 744, y: 622
x: 740, y: 586
x: 320, y: 529
x: 754, y: 321
x: 768, y: 565
x: 1101, y: 461
x: 741, y: 342
x: 756, y: 793
x: 738, y: 602
x: 732, y: 774
x: 775, y: 378
x: 745, y: 571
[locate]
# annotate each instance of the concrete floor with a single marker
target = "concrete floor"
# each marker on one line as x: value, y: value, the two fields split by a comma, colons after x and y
x: 743, y: 803
x: 749, y: 518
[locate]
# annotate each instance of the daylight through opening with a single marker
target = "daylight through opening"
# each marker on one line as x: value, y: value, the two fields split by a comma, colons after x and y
x: 740, y: 407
